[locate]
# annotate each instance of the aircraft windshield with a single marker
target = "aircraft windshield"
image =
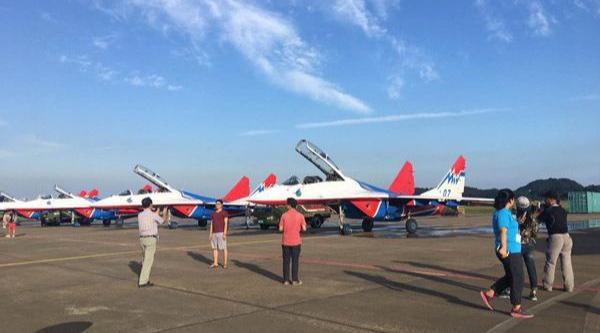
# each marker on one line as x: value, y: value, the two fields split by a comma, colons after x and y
x: 320, y: 159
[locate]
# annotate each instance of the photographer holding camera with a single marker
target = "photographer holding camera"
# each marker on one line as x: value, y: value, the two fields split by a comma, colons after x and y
x: 558, y: 244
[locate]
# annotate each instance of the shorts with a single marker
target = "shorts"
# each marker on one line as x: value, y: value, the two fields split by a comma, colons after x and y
x: 12, y: 226
x: 217, y: 242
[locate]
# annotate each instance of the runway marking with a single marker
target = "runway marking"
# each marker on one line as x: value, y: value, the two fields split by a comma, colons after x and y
x: 114, y: 254
x: 512, y: 322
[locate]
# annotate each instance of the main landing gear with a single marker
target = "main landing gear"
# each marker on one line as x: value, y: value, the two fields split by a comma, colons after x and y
x: 345, y: 229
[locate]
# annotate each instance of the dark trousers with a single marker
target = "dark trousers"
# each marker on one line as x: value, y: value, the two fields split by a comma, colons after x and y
x: 527, y: 250
x: 293, y: 253
x: 513, y: 277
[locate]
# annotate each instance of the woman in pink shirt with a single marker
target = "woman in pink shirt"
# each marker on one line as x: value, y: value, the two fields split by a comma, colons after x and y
x: 291, y: 224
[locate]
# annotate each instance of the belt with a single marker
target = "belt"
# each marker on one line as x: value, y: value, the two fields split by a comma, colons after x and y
x: 155, y: 236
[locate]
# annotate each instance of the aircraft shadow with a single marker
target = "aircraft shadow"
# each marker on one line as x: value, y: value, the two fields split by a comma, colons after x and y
x: 258, y: 270
x: 135, y: 267
x: 200, y: 257
x: 401, y: 287
x: 437, y: 279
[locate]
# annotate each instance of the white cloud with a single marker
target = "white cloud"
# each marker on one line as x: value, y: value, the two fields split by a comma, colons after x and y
x: 395, y: 87
x: 171, y: 87
x: 412, y: 59
x: 104, y: 42
x: 394, y: 118
x: 538, y: 19
x: 83, y: 62
x: 151, y: 81
x: 494, y: 24
x: 270, y: 42
x: 257, y: 132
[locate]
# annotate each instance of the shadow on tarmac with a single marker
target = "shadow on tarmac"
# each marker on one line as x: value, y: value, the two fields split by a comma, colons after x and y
x: 70, y: 327
x: 258, y: 270
x: 399, y: 286
x: 586, y: 307
x: 200, y: 257
x: 135, y: 267
x: 448, y: 270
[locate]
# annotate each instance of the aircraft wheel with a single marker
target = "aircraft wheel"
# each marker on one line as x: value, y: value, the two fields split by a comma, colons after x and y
x: 411, y: 226
x: 43, y: 221
x: 173, y: 225
x: 346, y: 230
x: 316, y: 222
x: 202, y: 223
x: 106, y: 223
x: 264, y: 226
x: 367, y: 225
x: 119, y: 223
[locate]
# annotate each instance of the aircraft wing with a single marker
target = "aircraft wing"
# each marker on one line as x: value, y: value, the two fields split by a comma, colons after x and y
x: 440, y: 199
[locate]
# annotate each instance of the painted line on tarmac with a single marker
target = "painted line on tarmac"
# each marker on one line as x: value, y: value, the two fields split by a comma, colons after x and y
x: 512, y: 322
x: 114, y: 254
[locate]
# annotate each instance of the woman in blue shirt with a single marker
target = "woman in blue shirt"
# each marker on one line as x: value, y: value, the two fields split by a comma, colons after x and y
x: 508, y: 251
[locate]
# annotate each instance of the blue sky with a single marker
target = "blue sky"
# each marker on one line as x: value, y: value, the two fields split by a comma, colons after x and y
x: 206, y: 91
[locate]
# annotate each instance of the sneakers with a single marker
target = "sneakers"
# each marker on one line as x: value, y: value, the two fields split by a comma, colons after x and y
x: 520, y: 313
x: 286, y: 283
x: 146, y: 285
x: 297, y: 283
x: 486, y: 300
x: 533, y: 295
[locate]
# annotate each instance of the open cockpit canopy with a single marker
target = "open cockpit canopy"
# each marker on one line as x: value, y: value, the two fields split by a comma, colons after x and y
x: 320, y: 159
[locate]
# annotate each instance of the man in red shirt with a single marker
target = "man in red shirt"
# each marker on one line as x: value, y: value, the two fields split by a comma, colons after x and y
x: 291, y: 224
x: 218, y: 234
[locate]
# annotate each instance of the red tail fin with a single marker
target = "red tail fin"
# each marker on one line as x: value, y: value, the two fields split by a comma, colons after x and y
x: 83, y: 193
x: 93, y: 194
x: 240, y: 190
x: 405, y: 181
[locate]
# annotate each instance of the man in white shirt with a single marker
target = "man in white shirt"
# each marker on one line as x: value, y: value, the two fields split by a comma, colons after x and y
x: 148, y: 222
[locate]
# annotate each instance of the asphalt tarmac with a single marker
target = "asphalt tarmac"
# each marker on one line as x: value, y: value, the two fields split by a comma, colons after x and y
x: 65, y: 279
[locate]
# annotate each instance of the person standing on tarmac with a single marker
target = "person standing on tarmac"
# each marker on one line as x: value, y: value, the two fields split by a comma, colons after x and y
x: 508, y: 251
x: 218, y: 234
x: 291, y: 224
x: 148, y: 222
x: 558, y: 244
x: 528, y: 228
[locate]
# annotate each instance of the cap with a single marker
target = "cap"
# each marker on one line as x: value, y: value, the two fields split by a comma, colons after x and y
x: 523, y: 202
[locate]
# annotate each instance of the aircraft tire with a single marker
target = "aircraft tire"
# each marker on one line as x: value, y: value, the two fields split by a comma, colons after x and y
x: 346, y: 230
x: 367, y: 225
x: 106, y: 223
x: 202, y: 223
x: 411, y: 226
x: 316, y: 221
x: 264, y: 226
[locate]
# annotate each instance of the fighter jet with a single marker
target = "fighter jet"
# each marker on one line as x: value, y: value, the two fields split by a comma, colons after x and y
x: 235, y: 202
x: 353, y: 198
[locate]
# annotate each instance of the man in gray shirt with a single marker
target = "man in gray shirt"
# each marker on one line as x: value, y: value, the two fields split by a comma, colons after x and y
x: 148, y: 222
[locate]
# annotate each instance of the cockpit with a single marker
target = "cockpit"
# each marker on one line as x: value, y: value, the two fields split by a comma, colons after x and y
x: 294, y: 180
x: 321, y: 160
x: 125, y: 193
